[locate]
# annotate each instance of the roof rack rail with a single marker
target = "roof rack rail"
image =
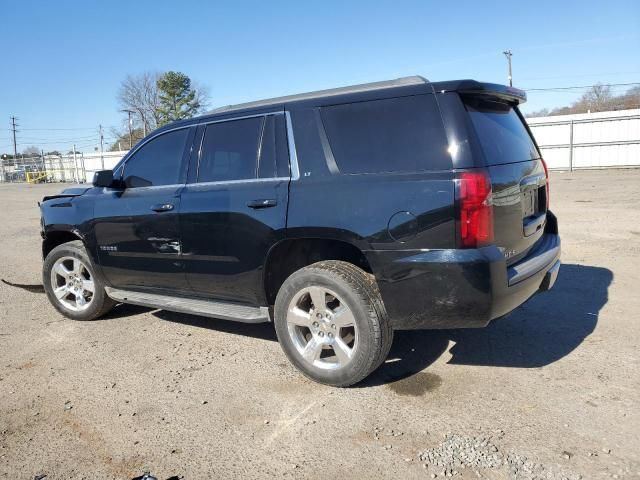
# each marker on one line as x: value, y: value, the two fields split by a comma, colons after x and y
x: 365, y: 87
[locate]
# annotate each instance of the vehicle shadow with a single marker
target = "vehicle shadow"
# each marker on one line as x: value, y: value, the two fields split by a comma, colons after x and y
x: 125, y: 310
x: 263, y: 331
x: 545, y: 329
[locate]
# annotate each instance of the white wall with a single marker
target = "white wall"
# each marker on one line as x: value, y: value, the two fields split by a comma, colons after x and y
x: 93, y: 162
x: 602, y: 139
x: 63, y: 169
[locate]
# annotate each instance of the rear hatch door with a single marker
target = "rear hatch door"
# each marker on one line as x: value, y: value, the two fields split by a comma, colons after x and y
x: 517, y: 172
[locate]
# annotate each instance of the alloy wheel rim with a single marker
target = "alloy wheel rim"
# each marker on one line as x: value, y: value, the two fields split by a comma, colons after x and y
x: 322, y: 328
x: 72, y: 283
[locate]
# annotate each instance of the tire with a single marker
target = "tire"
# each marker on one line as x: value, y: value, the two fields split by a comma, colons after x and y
x: 68, y: 270
x: 345, y: 340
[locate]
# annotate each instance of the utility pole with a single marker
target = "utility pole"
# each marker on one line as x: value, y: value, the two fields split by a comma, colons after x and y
x: 144, y: 124
x: 509, y: 54
x: 129, y: 112
x: 101, y: 149
x: 84, y: 170
x: 44, y: 165
x: 75, y: 164
x: 15, y: 145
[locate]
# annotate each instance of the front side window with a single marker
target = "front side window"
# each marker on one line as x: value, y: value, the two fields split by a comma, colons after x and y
x: 230, y: 150
x: 157, y: 162
x: 402, y: 134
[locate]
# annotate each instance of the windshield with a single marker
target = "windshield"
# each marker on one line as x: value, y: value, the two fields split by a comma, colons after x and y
x: 502, y: 133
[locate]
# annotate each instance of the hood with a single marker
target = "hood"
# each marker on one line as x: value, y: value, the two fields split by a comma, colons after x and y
x: 72, y: 191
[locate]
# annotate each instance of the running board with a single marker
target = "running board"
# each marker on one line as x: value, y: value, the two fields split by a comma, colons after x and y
x: 207, y: 308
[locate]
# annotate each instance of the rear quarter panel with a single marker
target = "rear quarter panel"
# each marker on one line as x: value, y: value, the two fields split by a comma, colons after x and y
x: 358, y: 208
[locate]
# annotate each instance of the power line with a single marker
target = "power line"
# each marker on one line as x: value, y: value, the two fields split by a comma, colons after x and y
x: 52, y: 129
x: 582, y: 86
x: 54, y: 143
x: 56, y: 139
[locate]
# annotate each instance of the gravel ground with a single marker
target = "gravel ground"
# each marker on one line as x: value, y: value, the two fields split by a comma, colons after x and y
x: 551, y: 392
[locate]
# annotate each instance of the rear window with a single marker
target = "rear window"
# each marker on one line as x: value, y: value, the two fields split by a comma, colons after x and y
x: 501, y: 132
x: 392, y: 135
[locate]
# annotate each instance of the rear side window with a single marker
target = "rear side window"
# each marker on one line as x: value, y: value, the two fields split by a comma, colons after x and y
x: 157, y: 162
x: 274, y: 154
x: 230, y: 150
x: 391, y: 135
x: 500, y: 130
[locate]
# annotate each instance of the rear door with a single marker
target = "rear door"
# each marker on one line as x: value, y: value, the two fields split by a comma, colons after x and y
x: 518, y: 176
x: 235, y: 209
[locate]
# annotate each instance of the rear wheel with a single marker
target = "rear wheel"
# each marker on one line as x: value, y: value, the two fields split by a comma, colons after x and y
x: 71, y: 284
x: 331, y: 323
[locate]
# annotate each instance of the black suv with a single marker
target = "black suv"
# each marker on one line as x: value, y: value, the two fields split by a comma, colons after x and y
x: 340, y: 215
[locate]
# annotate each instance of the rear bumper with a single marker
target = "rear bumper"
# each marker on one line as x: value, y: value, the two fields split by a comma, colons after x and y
x: 462, y: 288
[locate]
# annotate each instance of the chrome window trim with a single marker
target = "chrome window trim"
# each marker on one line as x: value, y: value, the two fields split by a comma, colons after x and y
x: 233, y: 182
x: 293, y: 155
x: 243, y: 117
x: 142, y: 189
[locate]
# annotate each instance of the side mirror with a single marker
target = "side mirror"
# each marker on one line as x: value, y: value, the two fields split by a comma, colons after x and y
x: 103, y: 178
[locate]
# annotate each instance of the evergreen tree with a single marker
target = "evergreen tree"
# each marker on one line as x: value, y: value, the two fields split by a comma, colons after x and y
x: 177, y: 99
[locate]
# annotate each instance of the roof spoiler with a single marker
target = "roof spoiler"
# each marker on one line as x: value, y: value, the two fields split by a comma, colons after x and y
x: 504, y: 92
x: 473, y: 87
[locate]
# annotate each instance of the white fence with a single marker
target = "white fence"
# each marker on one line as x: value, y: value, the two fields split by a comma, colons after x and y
x: 77, y: 168
x: 94, y: 162
x: 589, y: 140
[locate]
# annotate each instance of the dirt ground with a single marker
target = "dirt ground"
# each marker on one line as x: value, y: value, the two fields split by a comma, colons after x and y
x: 552, y: 391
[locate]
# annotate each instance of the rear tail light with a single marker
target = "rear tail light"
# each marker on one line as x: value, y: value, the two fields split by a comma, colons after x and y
x: 546, y: 174
x: 476, y: 209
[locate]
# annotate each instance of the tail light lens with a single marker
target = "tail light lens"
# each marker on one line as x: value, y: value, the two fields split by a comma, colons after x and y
x: 476, y: 209
x: 546, y: 174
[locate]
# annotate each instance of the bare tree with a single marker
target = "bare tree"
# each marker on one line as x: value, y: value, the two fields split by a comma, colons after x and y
x: 202, y: 95
x: 139, y: 93
x: 597, y: 99
x: 631, y: 99
x: 31, y: 151
x: 543, y: 112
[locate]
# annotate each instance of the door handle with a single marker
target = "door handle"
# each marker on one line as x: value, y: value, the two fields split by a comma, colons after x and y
x: 262, y: 203
x: 162, y: 207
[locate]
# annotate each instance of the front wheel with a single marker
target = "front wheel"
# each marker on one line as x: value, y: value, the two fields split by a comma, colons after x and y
x: 71, y: 284
x: 332, y: 324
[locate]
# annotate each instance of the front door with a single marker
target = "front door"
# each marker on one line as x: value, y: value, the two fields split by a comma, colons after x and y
x: 137, y: 231
x: 236, y: 208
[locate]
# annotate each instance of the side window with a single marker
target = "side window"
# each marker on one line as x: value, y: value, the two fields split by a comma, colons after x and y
x: 274, y: 152
x: 392, y: 135
x: 230, y: 150
x: 157, y: 162
x: 282, y: 148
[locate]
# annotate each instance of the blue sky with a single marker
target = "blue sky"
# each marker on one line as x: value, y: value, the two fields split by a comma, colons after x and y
x: 64, y: 60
